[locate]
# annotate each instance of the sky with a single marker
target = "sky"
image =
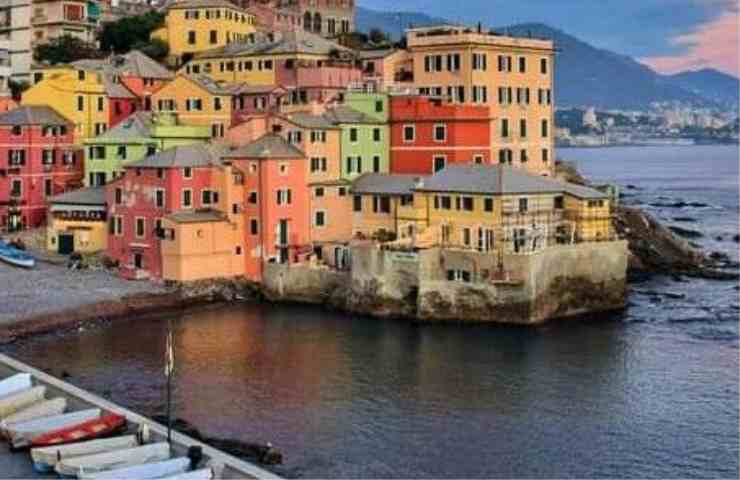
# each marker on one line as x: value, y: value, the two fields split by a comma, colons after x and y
x: 668, y: 35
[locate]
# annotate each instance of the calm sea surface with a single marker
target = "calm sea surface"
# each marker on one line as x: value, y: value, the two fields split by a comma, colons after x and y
x: 651, y: 392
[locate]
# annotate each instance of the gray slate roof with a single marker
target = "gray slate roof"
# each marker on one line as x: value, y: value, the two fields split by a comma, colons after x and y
x: 345, y: 114
x: 199, y: 216
x: 132, y: 63
x: 385, y: 184
x: 33, y: 115
x: 136, y: 125
x: 499, y: 179
x: 196, y: 155
x: 212, y: 86
x: 114, y: 89
x: 376, y: 53
x: 298, y: 41
x: 307, y: 120
x: 267, y: 146
x: 83, y: 196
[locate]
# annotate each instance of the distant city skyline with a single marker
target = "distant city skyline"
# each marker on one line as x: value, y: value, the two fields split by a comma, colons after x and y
x: 668, y: 35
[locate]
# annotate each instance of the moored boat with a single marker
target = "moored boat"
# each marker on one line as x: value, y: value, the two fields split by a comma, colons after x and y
x: 14, y: 384
x: 142, y: 472
x: 200, y: 474
x: 96, y: 428
x: 36, y: 411
x: 15, y: 257
x: 46, y: 458
x: 21, y: 434
x: 74, y: 467
x: 20, y: 400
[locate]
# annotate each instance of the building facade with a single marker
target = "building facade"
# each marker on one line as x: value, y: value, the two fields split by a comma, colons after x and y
x: 327, y: 18
x: 39, y: 160
x: 77, y: 222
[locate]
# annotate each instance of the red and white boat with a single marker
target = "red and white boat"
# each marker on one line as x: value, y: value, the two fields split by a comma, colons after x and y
x: 103, y: 426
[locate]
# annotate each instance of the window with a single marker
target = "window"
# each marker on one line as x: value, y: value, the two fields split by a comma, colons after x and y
x: 254, y: 226
x: 284, y: 196
x: 524, y: 156
x: 480, y: 61
x: 559, y: 203
x: 468, y: 204
x: 217, y: 130
x: 117, y: 225
x: 81, y: 75
x: 379, y: 106
x: 409, y: 133
x: 453, y: 62
x: 543, y: 66
x: 318, y: 192
x: 206, y: 197
x: 523, y: 128
x: 342, y: 191
x: 217, y: 103
x: 80, y: 103
x: 119, y: 196
x: 187, y: 172
x: 100, y: 128
x: 213, y: 37
x: 446, y: 202
x: 16, y: 188
x: 319, y: 219
x: 252, y: 198
x: 48, y: 187
x: 505, y: 156
x: 376, y: 134
x: 17, y: 130
x: 191, y: 37
x: 376, y: 163
x: 440, y: 133
x: 47, y: 157
x: 187, y: 198
x: 488, y: 205
x: 545, y: 129
x: 459, y: 276
x: 504, y: 128
x: 466, y: 240
x: 121, y: 152
x: 140, y: 227
x: 478, y: 159
x: 159, y: 198
x: 523, y: 205
x: 439, y: 163
x: 545, y: 155
x: 353, y: 135
x: 318, y: 164
x: 381, y: 204
x: 522, y: 64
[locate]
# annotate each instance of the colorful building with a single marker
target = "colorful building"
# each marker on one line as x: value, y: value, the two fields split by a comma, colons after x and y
x: 39, y: 160
x: 383, y: 205
x: 512, y: 76
x: 193, y: 26
x: 197, y: 100
x: 327, y: 18
x: 365, y: 133
x: 77, y: 222
x: 94, y: 100
x: 142, y: 134
x: 428, y: 134
x: 251, y: 100
x: 175, y: 180
x: 311, y: 67
x: 387, y: 67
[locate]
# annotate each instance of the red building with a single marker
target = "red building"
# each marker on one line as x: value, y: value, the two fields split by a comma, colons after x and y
x: 38, y: 159
x: 427, y: 134
x: 178, y: 179
x: 277, y: 204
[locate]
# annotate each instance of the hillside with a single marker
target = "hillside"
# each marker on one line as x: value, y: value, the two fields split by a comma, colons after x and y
x: 589, y: 76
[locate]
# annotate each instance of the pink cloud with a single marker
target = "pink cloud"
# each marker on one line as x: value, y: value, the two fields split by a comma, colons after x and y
x: 711, y: 45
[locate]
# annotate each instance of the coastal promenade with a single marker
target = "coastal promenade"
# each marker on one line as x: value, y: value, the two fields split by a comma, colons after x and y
x: 18, y: 465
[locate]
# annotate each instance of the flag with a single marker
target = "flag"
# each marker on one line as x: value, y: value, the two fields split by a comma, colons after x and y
x: 169, y: 361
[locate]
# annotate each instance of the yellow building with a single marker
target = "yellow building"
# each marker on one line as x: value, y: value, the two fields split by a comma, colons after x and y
x: 511, y: 75
x: 197, y: 101
x: 81, y: 95
x: 77, y: 222
x: 479, y: 207
x: 193, y: 26
x: 204, y: 244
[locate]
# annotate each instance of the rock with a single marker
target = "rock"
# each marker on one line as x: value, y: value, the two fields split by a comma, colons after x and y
x: 632, y: 187
x: 719, y: 238
x: 684, y: 219
x: 685, y: 232
x: 736, y: 239
x: 719, y: 257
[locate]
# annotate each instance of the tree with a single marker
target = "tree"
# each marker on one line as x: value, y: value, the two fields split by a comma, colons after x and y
x: 378, y: 36
x: 17, y: 88
x: 155, y: 48
x: 131, y: 32
x: 65, y: 49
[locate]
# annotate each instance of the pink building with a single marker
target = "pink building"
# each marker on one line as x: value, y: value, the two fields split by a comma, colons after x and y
x: 251, y: 100
x: 178, y: 179
x: 38, y: 159
x: 277, y: 205
x: 316, y: 81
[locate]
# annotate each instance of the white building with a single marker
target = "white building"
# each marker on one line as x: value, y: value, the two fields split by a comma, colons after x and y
x: 15, y: 29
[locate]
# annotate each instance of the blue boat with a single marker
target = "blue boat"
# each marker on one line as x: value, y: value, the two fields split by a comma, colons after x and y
x: 15, y: 257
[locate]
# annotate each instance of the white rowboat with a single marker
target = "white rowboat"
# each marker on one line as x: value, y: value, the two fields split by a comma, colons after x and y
x: 21, y: 433
x: 202, y: 474
x: 19, y: 400
x: 142, y: 472
x: 46, y: 458
x: 77, y: 466
x: 36, y: 411
x: 16, y: 383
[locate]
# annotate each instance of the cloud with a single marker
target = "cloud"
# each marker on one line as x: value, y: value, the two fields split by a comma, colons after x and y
x: 711, y: 45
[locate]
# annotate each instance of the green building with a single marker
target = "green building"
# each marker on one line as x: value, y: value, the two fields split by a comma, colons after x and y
x: 365, y: 144
x: 140, y: 135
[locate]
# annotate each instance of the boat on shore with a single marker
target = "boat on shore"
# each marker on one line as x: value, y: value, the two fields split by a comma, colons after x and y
x: 21, y: 434
x: 16, y: 257
x: 101, y: 427
x: 200, y: 474
x: 46, y: 458
x: 146, y: 471
x: 78, y: 466
x: 35, y: 411
x: 20, y: 400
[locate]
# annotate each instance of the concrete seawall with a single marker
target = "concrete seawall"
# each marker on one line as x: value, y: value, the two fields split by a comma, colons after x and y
x: 18, y: 465
x: 558, y: 282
